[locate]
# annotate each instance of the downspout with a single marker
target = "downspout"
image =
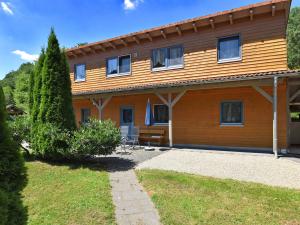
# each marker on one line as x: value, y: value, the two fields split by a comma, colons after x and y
x: 275, y: 128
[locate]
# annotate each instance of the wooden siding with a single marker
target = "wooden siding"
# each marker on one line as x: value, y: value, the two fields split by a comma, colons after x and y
x: 263, y: 49
x: 196, y: 117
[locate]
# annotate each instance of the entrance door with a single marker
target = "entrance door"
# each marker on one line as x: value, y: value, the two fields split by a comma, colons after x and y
x: 127, y: 116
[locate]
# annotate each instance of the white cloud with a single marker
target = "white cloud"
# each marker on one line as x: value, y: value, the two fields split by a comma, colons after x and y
x: 25, y: 56
x: 6, y: 7
x: 131, y: 4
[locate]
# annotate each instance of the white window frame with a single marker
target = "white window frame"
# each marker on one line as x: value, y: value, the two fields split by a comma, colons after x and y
x: 242, y: 114
x: 118, y: 74
x: 158, y: 124
x: 167, y: 67
x: 234, y: 59
x: 75, y: 72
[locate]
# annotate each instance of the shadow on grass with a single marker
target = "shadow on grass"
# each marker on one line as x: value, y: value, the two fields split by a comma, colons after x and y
x: 108, y: 163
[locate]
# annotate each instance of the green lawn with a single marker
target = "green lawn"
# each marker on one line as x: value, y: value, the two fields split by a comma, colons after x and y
x: 62, y: 195
x: 190, y: 199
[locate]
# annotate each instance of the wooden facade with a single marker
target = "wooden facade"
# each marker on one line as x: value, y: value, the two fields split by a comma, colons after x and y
x: 196, y: 116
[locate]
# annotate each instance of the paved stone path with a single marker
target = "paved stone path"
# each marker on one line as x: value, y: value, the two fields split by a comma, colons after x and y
x: 133, y: 205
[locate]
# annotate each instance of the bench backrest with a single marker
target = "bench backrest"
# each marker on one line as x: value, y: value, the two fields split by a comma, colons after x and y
x: 152, y: 131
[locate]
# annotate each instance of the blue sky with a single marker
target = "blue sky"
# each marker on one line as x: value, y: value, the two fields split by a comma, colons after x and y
x: 25, y: 24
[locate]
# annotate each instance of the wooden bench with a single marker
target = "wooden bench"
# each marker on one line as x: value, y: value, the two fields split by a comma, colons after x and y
x: 152, y: 135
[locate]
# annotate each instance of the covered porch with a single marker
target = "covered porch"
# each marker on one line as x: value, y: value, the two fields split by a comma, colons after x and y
x: 194, y: 110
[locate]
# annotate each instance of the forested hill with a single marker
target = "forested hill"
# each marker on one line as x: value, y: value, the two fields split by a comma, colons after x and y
x: 16, y: 86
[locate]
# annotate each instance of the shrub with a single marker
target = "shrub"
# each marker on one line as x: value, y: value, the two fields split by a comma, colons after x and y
x: 50, y: 142
x: 95, y: 138
x: 20, y: 127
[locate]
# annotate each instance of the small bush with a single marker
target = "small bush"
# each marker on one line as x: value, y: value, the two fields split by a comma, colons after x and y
x: 20, y: 127
x: 50, y: 142
x: 96, y: 138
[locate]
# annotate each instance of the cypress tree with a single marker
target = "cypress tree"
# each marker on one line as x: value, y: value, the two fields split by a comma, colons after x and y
x: 56, y: 100
x: 12, y: 174
x: 66, y: 95
x: 37, y: 86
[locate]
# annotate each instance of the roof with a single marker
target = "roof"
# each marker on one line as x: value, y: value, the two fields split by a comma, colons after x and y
x: 195, y: 82
x: 212, y: 20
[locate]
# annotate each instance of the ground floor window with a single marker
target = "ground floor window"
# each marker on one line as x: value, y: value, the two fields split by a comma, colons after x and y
x: 161, y: 114
x: 85, y: 115
x: 127, y: 115
x: 232, y: 113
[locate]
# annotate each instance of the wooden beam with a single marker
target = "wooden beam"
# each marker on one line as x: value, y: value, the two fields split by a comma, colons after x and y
x: 112, y: 45
x: 178, y: 97
x: 82, y: 51
x: 149, y: 36
x: 263, y: 93
x: 231, y: 19
x: 195, y: 26
x: 101, y: 47
x: 136, y: 39
x: 295, y: 95
x: 124, y: 42
x: 162, y: 98
x: 178, y: 30
x: 273, y: 9
x: 212, y: 24
x: 92, y: 49
x: 163, y: 34
x: 294, y: 83
x: 251, y: 14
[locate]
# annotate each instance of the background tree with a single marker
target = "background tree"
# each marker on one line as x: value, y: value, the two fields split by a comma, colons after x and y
x: 293, y: 33
x: 12, y: 174
x: 14, y: 86
x: 56, y: 101
x: 36, y: 86
x: 21, y: 91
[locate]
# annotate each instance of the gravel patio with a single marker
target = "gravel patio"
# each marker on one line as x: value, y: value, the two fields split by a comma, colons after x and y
x: 252, y: 167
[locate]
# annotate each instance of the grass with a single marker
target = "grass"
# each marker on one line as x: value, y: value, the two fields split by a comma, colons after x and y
x: 189, y: 199
x: 67, y: 194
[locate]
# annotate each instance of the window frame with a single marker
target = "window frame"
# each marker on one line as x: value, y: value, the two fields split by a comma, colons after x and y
x: 241, y: 124
x: 234, y: 59
x: 168, y: 67
x: 75, y: 72
x: 118, y: 74
x: 159, y: 124
x: 81, y: 114
x: 121, y: 115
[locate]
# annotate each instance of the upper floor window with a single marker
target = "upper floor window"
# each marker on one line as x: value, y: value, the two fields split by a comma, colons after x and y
x: 118, y: 65
x: 167, y: 58
x: 80, y: 72
x: 229, y: 49
x: 232, y: 113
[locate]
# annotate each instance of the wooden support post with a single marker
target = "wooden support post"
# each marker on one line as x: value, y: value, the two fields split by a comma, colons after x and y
x: 170, y: 103
x: 275, y: 135
x: 101, y: 105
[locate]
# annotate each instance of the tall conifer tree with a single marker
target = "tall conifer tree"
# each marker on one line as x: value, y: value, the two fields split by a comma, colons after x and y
x: 12, y: 174
x: 56, y: 102
x: 37, y: 86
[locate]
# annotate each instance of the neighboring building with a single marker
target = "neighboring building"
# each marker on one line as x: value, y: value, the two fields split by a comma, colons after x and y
x: 210, y: 79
